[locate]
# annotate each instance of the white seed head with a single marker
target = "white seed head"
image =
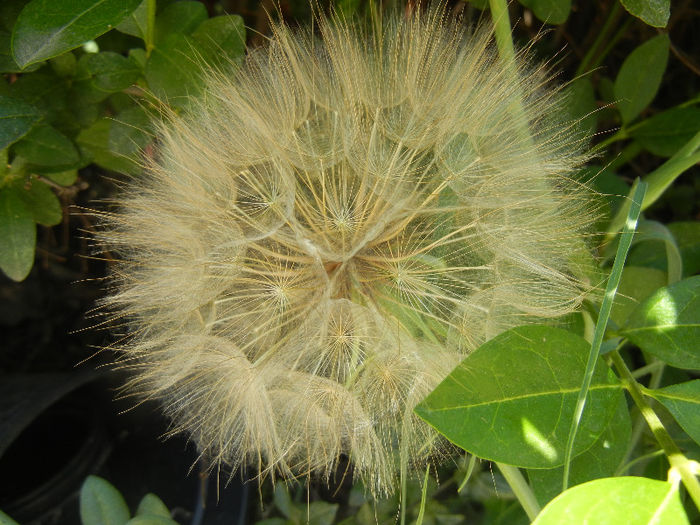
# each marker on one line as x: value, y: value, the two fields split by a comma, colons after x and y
x: 331, y: 229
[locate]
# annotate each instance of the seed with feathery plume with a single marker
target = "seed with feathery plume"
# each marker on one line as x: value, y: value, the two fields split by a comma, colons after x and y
x: 330, y: 229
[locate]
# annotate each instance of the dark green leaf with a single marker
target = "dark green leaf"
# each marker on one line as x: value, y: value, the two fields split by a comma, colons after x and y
x: 636, y: 285
x: 151, y: 519
x: 173, y: 70
x: 640, y: 77
x: 665, y: 133
x: 17, y: 235
x: 46, y: 146
x: 653, y: 12
x: 135, y: 24
x: 180, y: 17
x: 7, y: 63
x: 667, y: 324
x: 42, y: 202
x: 321, y: 513
x: 94, y: 144
x: 221, y: 39
x: 683, y: 401
x: 599, y: 461
x: 130, y: 132
x: 63, y: 178
x: 152, y: 504
x: 46, y: 28
x: 101, y: 503
x: 512, y: 399
x: 550, y: 11
x: 612, y: 501
x: 110, y: 71
x: 44, y: 90
x: 16, y: 119
x: 581, y: 106
x: 653, y: 255
x: 64, y: 65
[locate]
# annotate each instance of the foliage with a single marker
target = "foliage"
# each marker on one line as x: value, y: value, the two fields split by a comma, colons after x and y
x: 540, y: 410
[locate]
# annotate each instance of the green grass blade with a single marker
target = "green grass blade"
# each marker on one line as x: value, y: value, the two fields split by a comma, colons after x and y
x: 638, y: 191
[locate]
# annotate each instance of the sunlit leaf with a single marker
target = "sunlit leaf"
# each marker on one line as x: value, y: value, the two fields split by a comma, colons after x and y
x: 683, y: 401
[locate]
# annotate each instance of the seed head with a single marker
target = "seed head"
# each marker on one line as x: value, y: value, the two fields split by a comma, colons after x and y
x: 328, y: 232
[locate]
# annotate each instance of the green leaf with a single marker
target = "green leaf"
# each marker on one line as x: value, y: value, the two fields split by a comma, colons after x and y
x: 512, y: 399
x: 667, y: 324
x: 321, y: 513
x: 599, y: 461
x: 221, y: 39
x: 46, y: 146
x: 581, y: 106
x: 151, y: 519
x: 666, y: 132
x: 550, y: 11
x: 636, y: 285
x: 656, y: 231
x: 180, y: 17
x: 653, y: 254
x: 129, y: 133
x: 640, y: 77
x: 683, y: 401
x: 152, y: 504
x: 101, y: 503
x: 612, y: 501
x: 42, y: 202
x: 46, y: 28
x: 135, y: 23
x: 17, y: 235
x: 64, y: 65
x: 63, y: 178
x: 94, y: 144
x: 16, y: 119
x: 109, y: 71
x: 173, y: 71
x: 6, y: 520
x: 654, y: 12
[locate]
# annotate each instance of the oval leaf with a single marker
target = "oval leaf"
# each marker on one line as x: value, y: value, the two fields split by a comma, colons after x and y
x: 611, y: 501
x: 151, y: 519
x: 173, y: 69
x: 667, y: 324
x: 46, y: 146
x: 653, y: 12
x: 152, y: 504
x: 46, y: 28
x: 683, y: 401
x: 41, y: 202
x: 101, y: 503
x: 667, y: 132
x: 16, y: 119
x: 599, y: 461
x: 550, y: 11
x: 17, y: 235
x: 640, y: 77
x: 221, y: 39
x: 512, y: 399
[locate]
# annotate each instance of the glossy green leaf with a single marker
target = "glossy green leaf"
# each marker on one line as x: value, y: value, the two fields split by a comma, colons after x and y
x: 110, y: 71
x: 46, y: 146
x: 683, y: 401
x: 666, y: 132
x: 7, y: 62
x: 640, y: 77
x: 550, y: 11
x: 636, y: 285
x: 16, y: 119
x: 135, y: 23
x: 6, y: 520
x: 613, y: 501
x: 173, y: 71
x: 46, y: 28
x: 40, y: 199
x: 221, y: 39
x: 599, y: 461
x: 17, y: 235
x: 653, y: 12
x: 101, y: 503
x: 63, y: 178
x: 512, y: 400
x: 180, y: 17
x: 152, y: 504
x: 667, y: 324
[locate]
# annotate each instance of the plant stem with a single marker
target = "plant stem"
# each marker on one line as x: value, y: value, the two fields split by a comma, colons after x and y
x: 660, y: 179
x: 675, y: 457
x: 583, y: 67
x: 149, y: 37
x: 521, y: 489
x: 613, y: 41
